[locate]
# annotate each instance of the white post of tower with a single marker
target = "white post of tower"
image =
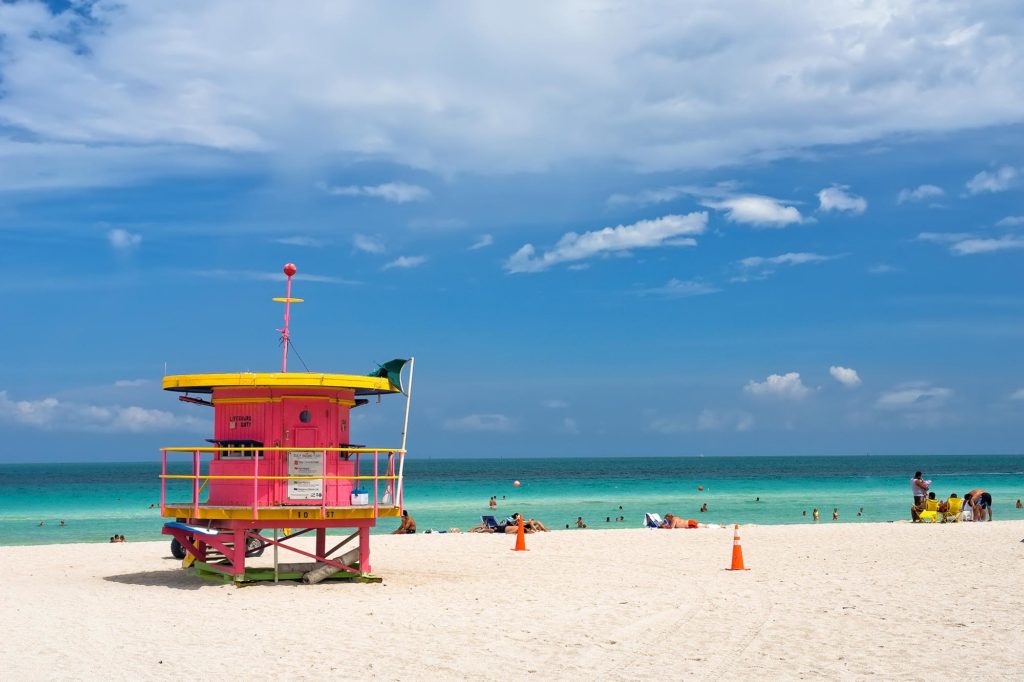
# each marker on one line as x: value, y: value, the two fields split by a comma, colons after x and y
x: 405, y: 432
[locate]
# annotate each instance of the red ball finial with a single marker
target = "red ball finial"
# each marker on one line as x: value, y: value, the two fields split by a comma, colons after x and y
x: 290, y: 269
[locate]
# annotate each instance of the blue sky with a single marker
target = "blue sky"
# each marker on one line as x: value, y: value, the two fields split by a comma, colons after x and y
x: 602, y: 228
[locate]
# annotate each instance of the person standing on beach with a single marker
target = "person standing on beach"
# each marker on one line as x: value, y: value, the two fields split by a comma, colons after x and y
x: 980, y: 501
x: 835, y: 513
x: 816, y: 514
x: 919, y: 487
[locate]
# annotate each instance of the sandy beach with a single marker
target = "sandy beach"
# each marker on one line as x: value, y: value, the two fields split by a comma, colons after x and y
x: 828, y: 601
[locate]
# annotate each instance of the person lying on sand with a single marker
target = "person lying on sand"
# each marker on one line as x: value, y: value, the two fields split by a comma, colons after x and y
x: 530, y: 525
x: 673, y: 521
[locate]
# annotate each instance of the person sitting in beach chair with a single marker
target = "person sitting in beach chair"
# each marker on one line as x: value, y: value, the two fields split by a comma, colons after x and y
x: 954, y: 509
x: 928, y: 510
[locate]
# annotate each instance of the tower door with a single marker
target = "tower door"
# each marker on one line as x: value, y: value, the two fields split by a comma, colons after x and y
x: 302, y: 431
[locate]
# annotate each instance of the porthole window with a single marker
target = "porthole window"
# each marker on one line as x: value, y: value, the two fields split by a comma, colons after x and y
x: 305, y: 416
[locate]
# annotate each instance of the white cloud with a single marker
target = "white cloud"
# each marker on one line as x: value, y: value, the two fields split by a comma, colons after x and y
x: 969, y: 244
x: 555, y: 404
x: 1017, y: 395
x: 720, y: 190
x: 706, y: 420
x: 516, y: 88
x: 758, y: 211
x: 670, y: 230
x: 406, y: 262
x: 922, y: 397
x: 394, y: 192
x: 123, y: 240
x: 648, y: 197
x: 368, y: 244
x: 943, y: 237
x: 836, y: 198
x: 783, y: 259
x: 787, y: 386
x: 1011, y: 221
x: 969, y: 247
x: 761, y: 267
x: 52, y: 414
x: 130, y: 383
x: 676, y: 288
x: 299, y: 240
x: 495, y: 423
x: 256, y: 275
x: 999, y: 180
x: 846, y: 376
x: 569, y: 425
x: 483, y: 242
x: 883, y: 269
x: 920, y: 193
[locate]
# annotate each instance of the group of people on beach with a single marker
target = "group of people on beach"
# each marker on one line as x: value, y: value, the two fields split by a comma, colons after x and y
x: 118, y: 538
x: 976, y: 504
x: 511, y: 525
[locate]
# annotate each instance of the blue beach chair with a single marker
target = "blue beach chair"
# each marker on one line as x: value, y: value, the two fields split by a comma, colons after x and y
x: 652, y: 520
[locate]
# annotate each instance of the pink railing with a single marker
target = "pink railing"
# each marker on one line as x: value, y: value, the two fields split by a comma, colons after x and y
x: 196, y: 476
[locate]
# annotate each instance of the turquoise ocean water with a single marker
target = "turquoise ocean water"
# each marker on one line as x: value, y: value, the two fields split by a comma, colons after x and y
x: 99, y: 500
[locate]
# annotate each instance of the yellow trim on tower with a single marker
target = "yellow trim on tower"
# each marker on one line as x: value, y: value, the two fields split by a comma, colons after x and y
x: 205, y: 383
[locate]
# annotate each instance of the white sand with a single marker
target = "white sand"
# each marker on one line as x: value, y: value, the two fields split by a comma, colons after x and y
x: 828, y: 601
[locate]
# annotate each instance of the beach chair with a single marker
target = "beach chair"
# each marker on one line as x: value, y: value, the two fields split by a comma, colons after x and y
x: 930, y: 513
x: 492, y: 523
x: 955, y: 511
x: 652, y: 520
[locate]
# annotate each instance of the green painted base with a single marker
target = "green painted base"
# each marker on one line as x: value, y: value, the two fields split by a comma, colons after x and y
x: 260, y: 575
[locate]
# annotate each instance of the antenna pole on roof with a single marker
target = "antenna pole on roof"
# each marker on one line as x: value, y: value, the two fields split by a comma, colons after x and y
x: 289, y: 271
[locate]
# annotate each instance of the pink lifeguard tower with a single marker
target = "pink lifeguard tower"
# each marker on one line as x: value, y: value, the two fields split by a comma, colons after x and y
x: 282, y: 464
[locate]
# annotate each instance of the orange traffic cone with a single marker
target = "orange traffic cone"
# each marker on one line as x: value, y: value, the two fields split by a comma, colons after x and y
x: 520, y: 537
x: 737, y: 552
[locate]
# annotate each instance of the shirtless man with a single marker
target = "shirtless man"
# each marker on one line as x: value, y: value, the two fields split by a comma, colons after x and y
x: 673, y: 521
x: 980, y: 500
x: 408, y: 526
